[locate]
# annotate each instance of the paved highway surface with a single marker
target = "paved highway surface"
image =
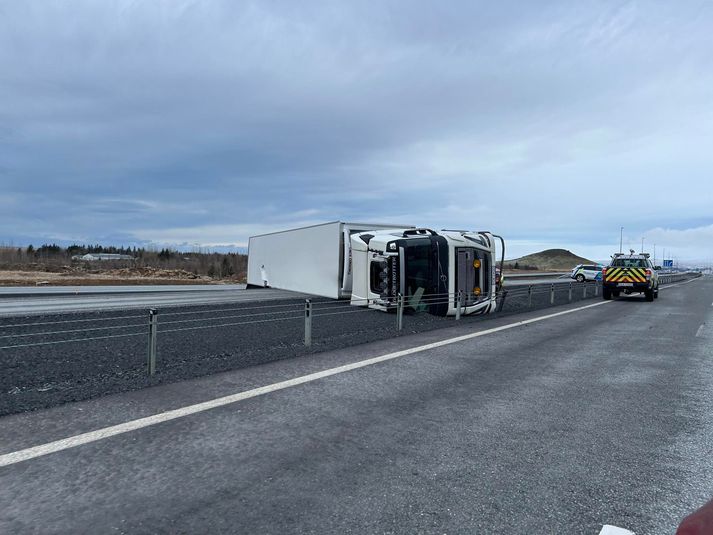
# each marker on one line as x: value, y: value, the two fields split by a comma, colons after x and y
x: 561, y: 425
x: 49, y: 359
x: 509, y: 283
x: 20, y: 300
x: 524, y: 281
x: 128, y: 297
x: 43, y: 291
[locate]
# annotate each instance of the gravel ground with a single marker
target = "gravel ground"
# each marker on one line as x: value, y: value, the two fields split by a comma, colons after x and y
x: 242, y: 335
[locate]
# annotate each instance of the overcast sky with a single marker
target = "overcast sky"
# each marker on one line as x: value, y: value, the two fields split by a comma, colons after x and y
x: 187, y: 122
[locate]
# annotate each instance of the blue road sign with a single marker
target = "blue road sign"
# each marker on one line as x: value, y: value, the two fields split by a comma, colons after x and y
x: 668, y: 263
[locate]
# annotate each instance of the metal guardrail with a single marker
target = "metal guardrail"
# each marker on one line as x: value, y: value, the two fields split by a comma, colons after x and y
x: 309, y: 311
x: 670, y: 278
x: 536, y: 275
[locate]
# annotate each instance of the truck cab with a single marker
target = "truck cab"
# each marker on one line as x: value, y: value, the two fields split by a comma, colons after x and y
x: 428, y: 269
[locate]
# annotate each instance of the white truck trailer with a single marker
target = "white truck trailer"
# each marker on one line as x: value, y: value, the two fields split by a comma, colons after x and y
x: 315, y: 260
x: 371, y: 264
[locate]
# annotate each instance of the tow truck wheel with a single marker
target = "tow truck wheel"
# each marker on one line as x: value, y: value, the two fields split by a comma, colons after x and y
x: 606, y: 294
x: 656, y: 293
x: 649, y: 295
x: 580, y: 278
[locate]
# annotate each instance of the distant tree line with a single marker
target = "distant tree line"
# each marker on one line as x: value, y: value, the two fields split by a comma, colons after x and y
x: 214, y: 265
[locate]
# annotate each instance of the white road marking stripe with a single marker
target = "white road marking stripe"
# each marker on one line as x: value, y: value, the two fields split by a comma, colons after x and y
x: 699, y: 332
x: 99, y: 434
x: 613, y: 530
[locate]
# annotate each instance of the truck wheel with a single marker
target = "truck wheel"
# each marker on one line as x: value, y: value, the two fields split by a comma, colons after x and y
x: 606, y: 294
x: 656, y: 294
x: 649, y: 295
x: 580, y: 278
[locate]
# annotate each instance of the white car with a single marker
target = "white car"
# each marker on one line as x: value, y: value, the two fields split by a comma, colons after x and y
x: 586, y: 272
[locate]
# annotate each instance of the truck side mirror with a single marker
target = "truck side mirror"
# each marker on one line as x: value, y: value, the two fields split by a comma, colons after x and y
x: 657, y: 268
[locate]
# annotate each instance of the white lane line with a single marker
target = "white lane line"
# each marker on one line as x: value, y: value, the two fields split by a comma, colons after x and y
x: 106, y: 432
x: 699, y: 332
x: 613, y: 530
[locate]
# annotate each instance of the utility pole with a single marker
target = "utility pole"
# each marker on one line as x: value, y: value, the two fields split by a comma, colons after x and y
x: 621, y: 238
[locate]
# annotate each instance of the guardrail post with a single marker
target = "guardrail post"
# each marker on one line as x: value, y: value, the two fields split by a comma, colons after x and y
x: 596, y: 288
x: 153, y: 338
x: 308, y: 323
x: 552, y: 294
x: 529, y: 296
x: 399, y: 312
x: 459, y: 300
x: 584, y: 290
x: 570, y: 292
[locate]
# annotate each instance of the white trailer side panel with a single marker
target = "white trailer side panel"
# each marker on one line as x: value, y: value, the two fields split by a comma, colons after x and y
x: 302, y: 260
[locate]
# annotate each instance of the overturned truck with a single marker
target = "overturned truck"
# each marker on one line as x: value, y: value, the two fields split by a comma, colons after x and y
x: 374, y: 265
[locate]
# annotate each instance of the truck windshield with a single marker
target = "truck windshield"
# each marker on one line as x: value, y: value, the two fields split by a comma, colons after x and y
x: 417, y: 269
x: 629, y: 262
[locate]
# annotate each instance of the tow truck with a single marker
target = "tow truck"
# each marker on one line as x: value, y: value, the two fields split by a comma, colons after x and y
x: 630, y: 273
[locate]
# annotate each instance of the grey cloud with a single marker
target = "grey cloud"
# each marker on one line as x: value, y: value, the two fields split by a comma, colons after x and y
x: 242, y: 113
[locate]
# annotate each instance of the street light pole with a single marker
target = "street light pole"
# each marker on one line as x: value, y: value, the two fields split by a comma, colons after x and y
x: 621, y: 238
x: 642, y: 245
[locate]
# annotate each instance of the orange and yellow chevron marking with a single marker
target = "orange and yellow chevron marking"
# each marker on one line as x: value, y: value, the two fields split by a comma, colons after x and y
x: 626, y: 275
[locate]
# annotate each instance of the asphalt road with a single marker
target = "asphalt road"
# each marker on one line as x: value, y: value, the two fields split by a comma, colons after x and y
x: 50, y: 359
x: 598, y: 416
x: 21, y: 300
x: 525, y: 281
x: 40, y: 291
x: 60, y: 300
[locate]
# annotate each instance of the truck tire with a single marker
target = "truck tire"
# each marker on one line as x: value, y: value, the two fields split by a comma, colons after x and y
x: 606, y: 294
x: 649, y: 295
